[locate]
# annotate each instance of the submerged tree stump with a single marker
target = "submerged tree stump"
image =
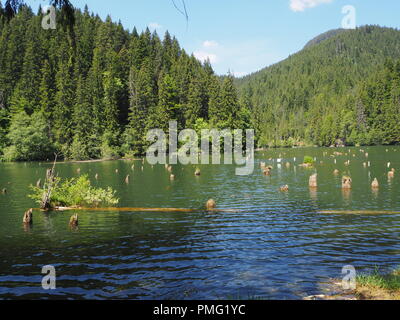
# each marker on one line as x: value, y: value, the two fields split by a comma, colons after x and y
x: 375, y: 184
x: 73, y: 221
x: 346, y: 182
x: 49, y: 185
x: 284, y: 188
x: 28, y: 217
x: 211, y: 204
x: 312, y: 183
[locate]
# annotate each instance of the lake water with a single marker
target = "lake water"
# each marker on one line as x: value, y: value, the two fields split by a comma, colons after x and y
x: 276, y: 246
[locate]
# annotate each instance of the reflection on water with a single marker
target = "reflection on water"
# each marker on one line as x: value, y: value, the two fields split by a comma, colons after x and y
x: 277, y: 246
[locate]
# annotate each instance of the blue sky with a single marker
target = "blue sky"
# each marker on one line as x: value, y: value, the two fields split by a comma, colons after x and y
x: 242, y: 36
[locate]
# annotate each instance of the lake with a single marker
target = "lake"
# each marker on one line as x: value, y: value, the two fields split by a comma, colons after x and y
x: 277, y: 245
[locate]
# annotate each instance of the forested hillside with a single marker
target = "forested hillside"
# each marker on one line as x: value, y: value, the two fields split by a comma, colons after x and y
x: 94, y: 90
x: 343, y: 87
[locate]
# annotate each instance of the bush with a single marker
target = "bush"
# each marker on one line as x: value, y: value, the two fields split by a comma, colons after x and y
x: 29, y: 138
x: 77, y: 192
x: 308, y: 160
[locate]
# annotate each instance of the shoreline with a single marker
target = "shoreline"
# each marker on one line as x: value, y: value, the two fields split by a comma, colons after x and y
x: 141, y: 157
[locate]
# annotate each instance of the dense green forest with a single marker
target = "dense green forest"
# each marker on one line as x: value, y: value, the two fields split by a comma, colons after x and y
x: 92, y: 90
x: 342, y: 88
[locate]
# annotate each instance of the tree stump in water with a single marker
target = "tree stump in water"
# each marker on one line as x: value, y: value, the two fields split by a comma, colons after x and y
x: 49, y: 186
x: 346, y: 182
x: 73, y: 221
x: 28, y: 217
x: 211, y: 204
x: 375, y: 184
x: 284, y: 188
x: 312, y: 182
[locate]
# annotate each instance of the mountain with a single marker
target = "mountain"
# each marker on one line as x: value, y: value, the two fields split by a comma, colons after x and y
x: 324, y: 36
x: 342, y: 87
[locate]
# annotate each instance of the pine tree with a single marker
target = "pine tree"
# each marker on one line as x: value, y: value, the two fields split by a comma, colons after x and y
x: 85, y: 141
x: 64, y: 102
x: 142, y: 100
x: 168, y: 108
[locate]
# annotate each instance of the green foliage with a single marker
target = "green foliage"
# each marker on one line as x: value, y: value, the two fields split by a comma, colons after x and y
x: 308, y: 160
x: 100, y: 88
x: 336, y: 90
x: 384, y: 281
x: 29, y: 137
x: 77, y: 192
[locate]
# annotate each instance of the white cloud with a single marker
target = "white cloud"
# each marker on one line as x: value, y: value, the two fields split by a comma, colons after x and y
x: 210, y: 44
x: 240, y: 58
x: 154, y: 26
x: 301, y: 5
x: 203, y: 56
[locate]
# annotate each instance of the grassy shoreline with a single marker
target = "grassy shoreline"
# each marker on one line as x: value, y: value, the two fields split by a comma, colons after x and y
x: 369, y: 286
x: 378, y: 286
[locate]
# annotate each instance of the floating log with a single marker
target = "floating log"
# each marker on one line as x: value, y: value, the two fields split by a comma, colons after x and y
x: 139, y: 209
x: 197, y: 172
x: 357, y: 212
x: 28, y: 217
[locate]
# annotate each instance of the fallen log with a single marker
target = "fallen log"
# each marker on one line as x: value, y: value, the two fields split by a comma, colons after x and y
x: 113, y: 209
x: 357, y: 212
